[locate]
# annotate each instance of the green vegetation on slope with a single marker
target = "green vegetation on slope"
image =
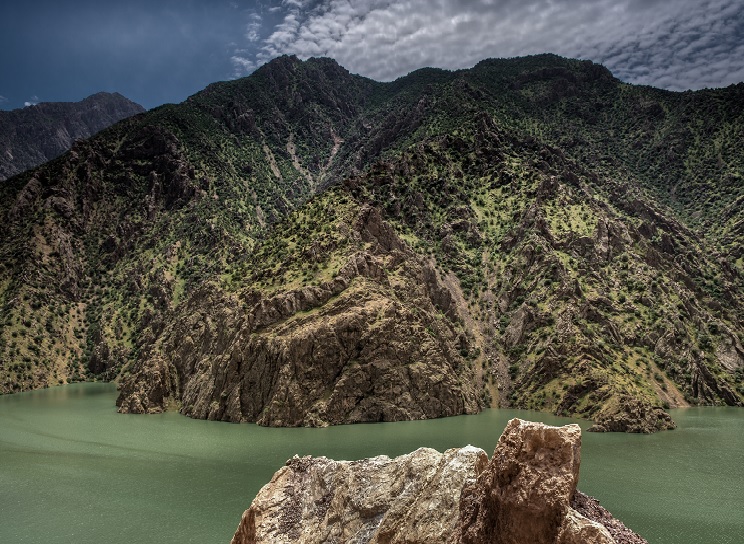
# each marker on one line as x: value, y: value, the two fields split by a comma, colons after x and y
x: 583, y: 236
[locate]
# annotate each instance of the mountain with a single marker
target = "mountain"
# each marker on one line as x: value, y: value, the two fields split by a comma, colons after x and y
x: 308, y: 247
x: 36, y: 134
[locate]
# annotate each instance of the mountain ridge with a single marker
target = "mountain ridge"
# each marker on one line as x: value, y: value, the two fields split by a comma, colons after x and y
x: 507, y: 248
x: 38, y: 133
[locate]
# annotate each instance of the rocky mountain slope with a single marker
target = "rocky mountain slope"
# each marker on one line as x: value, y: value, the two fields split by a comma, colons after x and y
x: 525, y: 493
x: 309, y: 247
x: 36, y: 134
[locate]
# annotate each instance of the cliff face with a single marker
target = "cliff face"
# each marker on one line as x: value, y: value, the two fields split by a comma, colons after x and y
x: 42, y: 132
x: 380, y: 340
x: 525, y: 493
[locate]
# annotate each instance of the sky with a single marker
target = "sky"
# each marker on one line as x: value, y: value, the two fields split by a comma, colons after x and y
x: 159, y: 51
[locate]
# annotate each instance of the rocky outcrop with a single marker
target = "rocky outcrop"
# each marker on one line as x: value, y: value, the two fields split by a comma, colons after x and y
x: 412, y: 498
x: 151, y: 393
x: 377, y: 342
x: 590, y: 508
x: 39, y: 133
x: 525, y: 494
x: 631, y: 415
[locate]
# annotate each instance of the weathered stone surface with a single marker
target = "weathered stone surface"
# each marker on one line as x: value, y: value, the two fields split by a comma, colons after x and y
x: 576, y: 529
x: 632, y: 416
x: 526, y: 494
x: 413, y: 499
x: 590, y: 508
x: 160, y: 380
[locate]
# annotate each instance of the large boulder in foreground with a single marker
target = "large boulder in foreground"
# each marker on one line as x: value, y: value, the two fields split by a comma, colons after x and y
x: 525, y: 494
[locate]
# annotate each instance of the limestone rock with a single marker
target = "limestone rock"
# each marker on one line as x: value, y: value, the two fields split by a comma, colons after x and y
x: 590, y: 508
x: 576, y: 529
x: 525, y: 494
x: 413, y: 499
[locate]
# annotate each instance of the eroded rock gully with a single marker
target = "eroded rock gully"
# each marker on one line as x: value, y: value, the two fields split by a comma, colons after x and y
x: 525, y: 494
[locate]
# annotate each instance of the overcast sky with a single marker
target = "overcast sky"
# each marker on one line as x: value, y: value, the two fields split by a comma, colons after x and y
x: 157, y: 51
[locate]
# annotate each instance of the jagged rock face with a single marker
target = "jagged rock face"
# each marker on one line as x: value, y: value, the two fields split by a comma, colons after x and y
x: 525, y: 494
x: 590, y: 508
x: 413, y: 498
x: 40, y: 133
x: 630, y: 415
x: 372, y: 344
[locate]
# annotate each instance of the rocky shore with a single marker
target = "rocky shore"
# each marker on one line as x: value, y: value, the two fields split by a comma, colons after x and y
x: 526, y: 493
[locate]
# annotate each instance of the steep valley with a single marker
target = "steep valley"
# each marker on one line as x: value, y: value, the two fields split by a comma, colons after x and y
x: 306, y: 247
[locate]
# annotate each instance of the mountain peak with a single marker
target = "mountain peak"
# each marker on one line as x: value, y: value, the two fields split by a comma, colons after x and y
x: 32, y: 136
x: 545, y: 65
x: 287, y: 64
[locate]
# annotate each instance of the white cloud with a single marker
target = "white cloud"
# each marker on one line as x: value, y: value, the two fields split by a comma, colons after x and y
x: 242, y: 62
x: 242, y: 65
x: 295, y: 3
x: 3, y: 100
x: 32, y: 101
x: 677, y: 45
x: 253, y: 28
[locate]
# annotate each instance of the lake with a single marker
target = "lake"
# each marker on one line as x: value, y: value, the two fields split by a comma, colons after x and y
x: 72, y: 470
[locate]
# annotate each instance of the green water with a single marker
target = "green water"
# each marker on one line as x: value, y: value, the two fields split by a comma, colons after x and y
x: 72, y: 470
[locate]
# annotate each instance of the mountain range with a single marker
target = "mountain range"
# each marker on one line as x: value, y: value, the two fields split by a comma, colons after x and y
x: 41, y: 132
x: 305, y: 246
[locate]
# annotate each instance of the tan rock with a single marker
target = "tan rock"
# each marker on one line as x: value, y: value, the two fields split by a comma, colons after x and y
x: 577, y: 529
x: 413, y: 499
x: 590, y: 508
x: 525, y: 495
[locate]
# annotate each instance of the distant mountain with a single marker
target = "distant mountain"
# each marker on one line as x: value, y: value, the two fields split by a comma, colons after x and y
x: 36, y: 134
x: 308, y: 247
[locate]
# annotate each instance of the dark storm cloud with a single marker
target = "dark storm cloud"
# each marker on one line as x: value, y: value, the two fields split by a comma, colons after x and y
x: 676, y: 45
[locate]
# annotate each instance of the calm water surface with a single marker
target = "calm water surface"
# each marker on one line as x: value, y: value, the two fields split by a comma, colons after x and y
x: 72, y: 470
